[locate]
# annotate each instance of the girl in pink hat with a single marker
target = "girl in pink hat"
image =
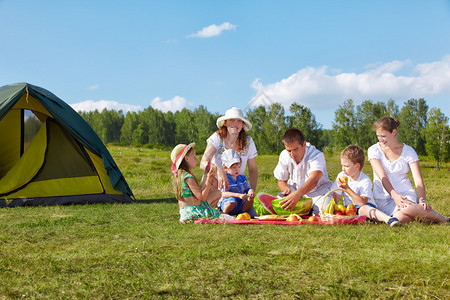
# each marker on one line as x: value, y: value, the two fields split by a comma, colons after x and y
x: 195, y: 201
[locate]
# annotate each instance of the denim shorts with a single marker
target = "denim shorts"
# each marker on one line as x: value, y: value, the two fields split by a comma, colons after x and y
x: 368, y: 204
x: 237, y: 209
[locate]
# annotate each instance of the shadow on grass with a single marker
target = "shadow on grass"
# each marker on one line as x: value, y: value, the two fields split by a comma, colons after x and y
x: 150, y: 201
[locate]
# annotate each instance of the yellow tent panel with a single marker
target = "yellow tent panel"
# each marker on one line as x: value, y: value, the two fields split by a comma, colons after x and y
x: 49, y: 155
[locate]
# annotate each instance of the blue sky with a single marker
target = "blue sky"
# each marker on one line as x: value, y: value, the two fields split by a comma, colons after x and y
x: 173, y: 54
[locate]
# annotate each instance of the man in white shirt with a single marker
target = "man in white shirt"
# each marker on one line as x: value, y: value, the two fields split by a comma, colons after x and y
x: 301, y: 171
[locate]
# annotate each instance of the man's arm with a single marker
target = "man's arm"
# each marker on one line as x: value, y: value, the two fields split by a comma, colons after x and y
x: 284, y: 187
x: 293, y: 198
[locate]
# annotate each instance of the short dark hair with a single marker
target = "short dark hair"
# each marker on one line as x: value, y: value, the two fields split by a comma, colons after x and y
x: 355, y: 154
x: 293, y: 134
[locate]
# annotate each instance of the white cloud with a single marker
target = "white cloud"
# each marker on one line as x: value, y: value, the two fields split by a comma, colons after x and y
x: 174, y: 104
x: 212, y: 30
x: 90, y: 105
x: 93, y: 87
x: 319, y: 88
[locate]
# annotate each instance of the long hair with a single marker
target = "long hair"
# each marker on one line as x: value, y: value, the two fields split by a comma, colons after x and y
x: 242, y: 138
x: 176, y: 180
x: 386, y: 123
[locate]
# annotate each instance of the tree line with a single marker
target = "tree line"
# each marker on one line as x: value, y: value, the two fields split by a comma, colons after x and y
x: 426, y: 130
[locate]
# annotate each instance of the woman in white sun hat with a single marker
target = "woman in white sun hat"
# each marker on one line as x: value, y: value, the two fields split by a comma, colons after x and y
x: 232, y: 134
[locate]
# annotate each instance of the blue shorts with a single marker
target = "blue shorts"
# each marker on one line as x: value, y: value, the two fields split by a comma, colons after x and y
x: 237, y: 209
x: 368, y: 204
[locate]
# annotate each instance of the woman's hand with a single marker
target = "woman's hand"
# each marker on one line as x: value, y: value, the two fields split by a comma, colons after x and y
x: 425, y: 205
x: 400, y: 200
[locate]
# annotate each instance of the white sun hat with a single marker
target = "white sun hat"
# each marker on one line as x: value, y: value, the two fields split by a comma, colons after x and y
x: 230, y: 157
x: 234, y: 113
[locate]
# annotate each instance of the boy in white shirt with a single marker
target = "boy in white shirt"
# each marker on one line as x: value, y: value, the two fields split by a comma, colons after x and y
x: 359, y: 186
x: 301, y: 171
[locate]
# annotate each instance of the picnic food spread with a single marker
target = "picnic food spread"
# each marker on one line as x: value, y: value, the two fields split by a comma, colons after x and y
x: 333, y: 208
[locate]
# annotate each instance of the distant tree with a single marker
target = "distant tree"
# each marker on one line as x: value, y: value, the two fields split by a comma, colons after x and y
x: 257, y: 117
x: 93, y: 118
x: 169, y: 136
x: 107, y: 124
x: 303, y: 119
x: 130, y: 124
x: 344, y: 125
x: 392, y: 109
x: 205, y: 124
x: 140, y: 134
x: 156, y: 126
x: 328, y: 141
x: 438, y: 136
x: 111, y: 124
x: 184, y: 127
x: 274, y: 126
x: 413, y: 119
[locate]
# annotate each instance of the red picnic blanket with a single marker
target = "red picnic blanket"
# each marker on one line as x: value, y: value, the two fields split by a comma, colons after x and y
x: 354, y: 221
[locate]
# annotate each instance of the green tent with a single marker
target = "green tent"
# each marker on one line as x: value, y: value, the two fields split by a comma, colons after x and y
x: 49, y: 155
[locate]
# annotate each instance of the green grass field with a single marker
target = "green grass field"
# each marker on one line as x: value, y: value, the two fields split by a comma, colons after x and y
x: 141, y: 250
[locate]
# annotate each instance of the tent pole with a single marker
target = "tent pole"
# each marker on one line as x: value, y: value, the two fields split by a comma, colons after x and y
x: 22, y: 131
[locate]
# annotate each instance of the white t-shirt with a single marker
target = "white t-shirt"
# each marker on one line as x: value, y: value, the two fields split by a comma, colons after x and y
x: 361, y: 186
x: 247, y: 153
x: 397, y: 172
x: 297, y: 174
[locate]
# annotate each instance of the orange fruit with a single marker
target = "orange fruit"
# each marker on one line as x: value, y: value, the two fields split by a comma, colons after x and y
x: 243, y: 216
x: 313, y: 219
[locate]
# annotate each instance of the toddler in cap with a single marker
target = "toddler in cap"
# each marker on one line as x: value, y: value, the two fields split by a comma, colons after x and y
x: 238, y: 198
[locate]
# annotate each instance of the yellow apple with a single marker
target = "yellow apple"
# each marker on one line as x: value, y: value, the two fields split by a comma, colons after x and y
x: 292, y: 218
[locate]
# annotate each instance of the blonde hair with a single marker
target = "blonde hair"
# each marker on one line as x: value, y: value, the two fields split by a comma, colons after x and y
x: 181, y: 173
x: 355, y: 154
x: 386, y: 123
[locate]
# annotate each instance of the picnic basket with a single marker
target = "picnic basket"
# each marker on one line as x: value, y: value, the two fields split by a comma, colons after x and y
x: 326, y: 216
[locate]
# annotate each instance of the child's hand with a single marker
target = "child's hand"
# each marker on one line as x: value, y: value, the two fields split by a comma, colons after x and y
x: 208, y: 167
x: 212, y: 171
x: 244, y: 197
x: 342, y: 185
x: 251, y: 194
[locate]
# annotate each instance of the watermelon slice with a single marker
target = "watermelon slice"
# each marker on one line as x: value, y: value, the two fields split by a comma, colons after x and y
x: 303, y: 207
x: 268, y: 204
x: 264, y: 204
